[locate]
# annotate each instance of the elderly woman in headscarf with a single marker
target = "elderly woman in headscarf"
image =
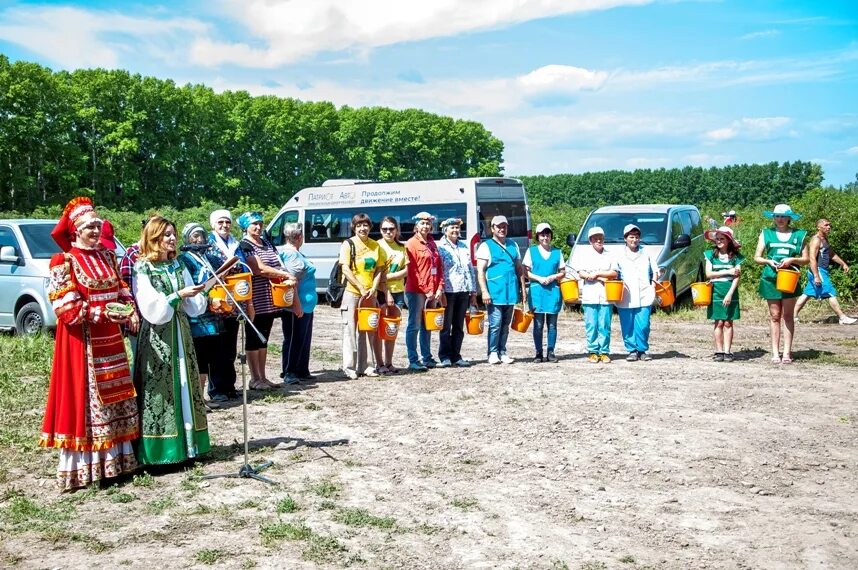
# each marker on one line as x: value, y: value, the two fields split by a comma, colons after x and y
x: 460, y: 289
x: 207, y: 327
x: 423, y: 285
x: 91, y: 413
x: 261, y: 258
x: 224, y: 246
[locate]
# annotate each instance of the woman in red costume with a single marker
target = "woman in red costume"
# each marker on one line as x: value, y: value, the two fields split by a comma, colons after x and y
x: 91, y: 414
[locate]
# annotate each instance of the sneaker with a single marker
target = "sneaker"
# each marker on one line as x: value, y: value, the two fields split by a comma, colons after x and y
x: 430, y: 363
x: 506, y: 359
x: 538, y: 358
x: 632, y: 357
x: 290, y: 379
x: 371, y: 372
x: 445, y: 363
x: 417, y: 367
x: 718, y: 357
x: 350, y: 374
x: 462, y: 363
x: 844, y: 320
x: 494, y: 358
x: 645, y: 357
x: 728, y: 357
x: 220, y: 398
x: 551, y: 357
x: 593, y: 358
x: 604, y: 359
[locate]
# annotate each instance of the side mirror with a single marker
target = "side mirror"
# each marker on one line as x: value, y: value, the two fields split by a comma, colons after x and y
x: 570, y: 239
x: 8, y: 255
x: 683, y: 240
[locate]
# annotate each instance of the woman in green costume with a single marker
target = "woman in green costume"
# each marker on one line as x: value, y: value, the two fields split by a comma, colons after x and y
x: 780, y: 247
x: 173, y: 417
x: 722, y: 269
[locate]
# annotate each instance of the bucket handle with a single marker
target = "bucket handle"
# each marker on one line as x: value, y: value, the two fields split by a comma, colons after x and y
x: 428, y: 300
x: 361, y: 300
x: 385, y: 308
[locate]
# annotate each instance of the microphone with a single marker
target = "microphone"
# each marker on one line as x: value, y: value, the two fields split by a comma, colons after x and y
x: 196, y: 248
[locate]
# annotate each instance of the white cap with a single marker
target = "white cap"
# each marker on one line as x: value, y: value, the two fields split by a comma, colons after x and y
x: 542, y: 227
x: 595, y: 231
x: 630, y: 227
x: 498, y: 220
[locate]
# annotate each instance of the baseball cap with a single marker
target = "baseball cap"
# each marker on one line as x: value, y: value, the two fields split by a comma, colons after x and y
x: 630, y: 227
x: 497, y: 220
x: 595, y: 231
x: 542, y: 227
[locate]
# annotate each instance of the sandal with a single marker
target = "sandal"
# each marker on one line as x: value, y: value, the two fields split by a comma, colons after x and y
x: 393, y: 369
x: 787, y: 359
x: 776, y: 359
x: 259, y: 384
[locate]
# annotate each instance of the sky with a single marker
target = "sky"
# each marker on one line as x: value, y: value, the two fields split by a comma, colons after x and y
x: 569, y: 86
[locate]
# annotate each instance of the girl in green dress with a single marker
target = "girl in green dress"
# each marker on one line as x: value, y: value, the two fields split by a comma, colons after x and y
x: 780, y: 247
x: 723, y: 270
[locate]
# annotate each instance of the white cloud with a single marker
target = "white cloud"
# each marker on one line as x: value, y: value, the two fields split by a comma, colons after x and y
x: 291, y: 31
x: 562, y: 78
x: 852, y: 151
x: 751, y: 128
x: 73, y: 37
x: 705, y: 159
x: 761, y: 34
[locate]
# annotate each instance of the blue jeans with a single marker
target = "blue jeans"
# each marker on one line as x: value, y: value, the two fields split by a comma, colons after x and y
x: 500, y: 316
x: 597, y: 325
x: 539, y: 319
x: 635, y: 326
x: 415, y: 331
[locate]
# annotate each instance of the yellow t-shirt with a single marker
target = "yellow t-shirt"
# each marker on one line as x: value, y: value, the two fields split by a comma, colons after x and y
x: 368, y: 257
x: 397, y: 258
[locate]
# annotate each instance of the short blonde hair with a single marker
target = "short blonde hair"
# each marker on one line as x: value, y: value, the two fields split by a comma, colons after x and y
x: 151, y: 236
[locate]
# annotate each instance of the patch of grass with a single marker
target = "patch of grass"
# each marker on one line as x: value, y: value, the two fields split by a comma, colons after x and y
x: 272, y: 398
x: 319, y: 353
x: 273, y: 533
x: 327, y: 506
x: 326, y: 489
x: 559, y: 565
x: 312, y: 406
x: 296, y: 456
x: 352, y: 463
x: 248, y: 564
x: 123, y: 497
x: 428, y: 529
x: 465, y: 503
x: 210, y: 556
x: 323, y: 549
x: 201, y: 509
x: 249, y: 504
x: 362, y: 517
x: 287, y: 505
x: 144, y: 479
x: 627, y: 559
x: 594, y: 565
x: 59, y: 536
x: 23, y: 513
x: 158, y: 506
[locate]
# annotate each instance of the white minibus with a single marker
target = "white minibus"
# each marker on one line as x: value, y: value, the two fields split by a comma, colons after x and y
x: 325, y: 212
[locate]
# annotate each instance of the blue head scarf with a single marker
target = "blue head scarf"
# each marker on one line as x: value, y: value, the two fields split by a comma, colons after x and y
x: 248, y: 218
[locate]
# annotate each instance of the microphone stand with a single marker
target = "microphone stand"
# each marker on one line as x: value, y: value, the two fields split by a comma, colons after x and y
x: 246, y: 471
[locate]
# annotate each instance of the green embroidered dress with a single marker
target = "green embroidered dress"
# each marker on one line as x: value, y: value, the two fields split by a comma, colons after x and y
x: 173, y: 418
x: 777, y: 249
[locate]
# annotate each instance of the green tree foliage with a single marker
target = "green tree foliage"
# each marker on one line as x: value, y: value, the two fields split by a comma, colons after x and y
x: 734, y: 186
x: 136, y: 143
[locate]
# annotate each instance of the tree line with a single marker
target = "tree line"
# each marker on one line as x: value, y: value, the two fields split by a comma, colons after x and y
x: 137, y: 142
x: 733, y: 186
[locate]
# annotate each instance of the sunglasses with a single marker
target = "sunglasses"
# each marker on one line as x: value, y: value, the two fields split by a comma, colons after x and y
x: 391, y: 229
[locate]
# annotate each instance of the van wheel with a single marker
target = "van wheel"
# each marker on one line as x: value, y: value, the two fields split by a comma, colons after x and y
x: 29, y: 320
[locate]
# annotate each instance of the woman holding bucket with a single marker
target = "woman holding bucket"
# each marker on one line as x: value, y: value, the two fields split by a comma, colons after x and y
x: 593, y: 268
x: 261, y: 258
x: 363, y: 263
x: 224, y: 246
x: 544, y: 266
x: 460, y: 290
x: 781, y: 249
x: 394, y: 283
x: 298, y: 328
x: 722, y: 269
x: 423, y: 286
x: 639, y: 273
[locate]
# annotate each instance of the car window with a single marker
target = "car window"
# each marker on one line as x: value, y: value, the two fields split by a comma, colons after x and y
x: 696, y: 223
x: 687, y: 222
x: 327, y: 225
x: 653, y: 226
x: 7, y: 238
x: 39, y: 240
x: 675, y: 226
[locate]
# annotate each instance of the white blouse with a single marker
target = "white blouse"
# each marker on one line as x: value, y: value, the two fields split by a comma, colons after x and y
x: 637, y: 270
x: 158, y: 308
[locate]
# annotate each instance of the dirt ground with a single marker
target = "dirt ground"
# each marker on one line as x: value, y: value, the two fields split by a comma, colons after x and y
x: 676, y: 463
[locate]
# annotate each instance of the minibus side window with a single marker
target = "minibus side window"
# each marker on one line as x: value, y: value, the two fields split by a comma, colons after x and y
x: 334, y: 225
x: 275, y: 232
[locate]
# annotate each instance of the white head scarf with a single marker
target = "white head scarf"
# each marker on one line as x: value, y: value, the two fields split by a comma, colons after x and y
x: 217, y: 215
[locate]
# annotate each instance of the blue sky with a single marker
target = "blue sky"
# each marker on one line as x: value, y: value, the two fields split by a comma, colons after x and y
x: 568, y: 85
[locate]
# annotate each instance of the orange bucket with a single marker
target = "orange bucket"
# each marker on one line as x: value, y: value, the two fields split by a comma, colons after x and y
x: 701, y: 293
x: 433, y: 319
x: 664, y: 293
x: 367, y: 317
x: 521, y: 320
x: 389, y: 325
x: 282, y: 295
x: 613, y: 291
x: 475, y: 321
x: 218, y: 292
x: 569, y: 290
x: 241, y: 286
x: 787, y: 280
